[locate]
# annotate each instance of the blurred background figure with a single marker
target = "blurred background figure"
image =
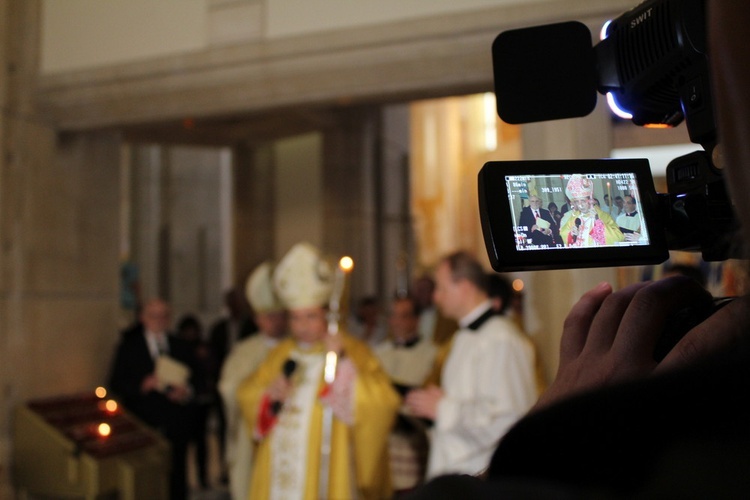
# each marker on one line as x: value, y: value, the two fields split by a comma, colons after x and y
x: 236, y: 325
x: 422, y: 290
x: 407, y: 359
x: 405, y: 355
x: 368, y: 324
x: 618, y: 207
x: 167, y: 408
x: 241, y: 362
x: 556, y: 215
x: 190, y: 330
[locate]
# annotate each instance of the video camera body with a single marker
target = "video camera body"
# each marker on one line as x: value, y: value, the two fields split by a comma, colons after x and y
x: 652, y: 62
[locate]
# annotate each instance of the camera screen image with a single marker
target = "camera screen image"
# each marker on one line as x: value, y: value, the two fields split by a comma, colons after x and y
x: 575, y: 211
x: 557, y: 214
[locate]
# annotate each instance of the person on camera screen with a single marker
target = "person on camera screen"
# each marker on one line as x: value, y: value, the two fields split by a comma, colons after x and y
x: 586, y: 225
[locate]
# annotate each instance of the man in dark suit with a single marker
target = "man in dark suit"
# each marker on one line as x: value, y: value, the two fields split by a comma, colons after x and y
x: 538, y: 233
x: 237, y: 325
x: 167, y: 408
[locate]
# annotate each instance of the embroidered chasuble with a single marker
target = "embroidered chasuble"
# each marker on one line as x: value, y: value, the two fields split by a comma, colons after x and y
x: 288, y: 458
x: 595, y: 228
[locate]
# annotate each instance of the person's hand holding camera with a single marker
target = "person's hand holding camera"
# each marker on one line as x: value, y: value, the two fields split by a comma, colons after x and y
x: 609, y: 337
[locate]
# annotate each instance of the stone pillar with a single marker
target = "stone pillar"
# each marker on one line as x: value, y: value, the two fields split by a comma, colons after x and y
x: 254, y: 209
x: 178, y: 232
x: 58, y: 240
x: 350, y: 179
x: 397, y: 242
x: 299, y: 191
x: 366, y: 202
x: 60, y: 265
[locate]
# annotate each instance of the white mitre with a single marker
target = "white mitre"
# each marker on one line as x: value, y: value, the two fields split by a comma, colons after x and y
x: 260, y: 291
x: 303, y: 278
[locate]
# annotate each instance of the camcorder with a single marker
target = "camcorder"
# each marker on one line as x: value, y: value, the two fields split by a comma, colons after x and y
x: 652, y: 63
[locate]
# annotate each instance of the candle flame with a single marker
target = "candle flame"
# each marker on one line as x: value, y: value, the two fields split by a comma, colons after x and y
x: 346, y: 263
x: 329, y: 372
x: 104, y: 430
x: 100, y: 392
x: 111, y: 405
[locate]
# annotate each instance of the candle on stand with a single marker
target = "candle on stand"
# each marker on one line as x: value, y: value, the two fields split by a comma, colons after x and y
x: 329, y: 371
x: 346, y: 264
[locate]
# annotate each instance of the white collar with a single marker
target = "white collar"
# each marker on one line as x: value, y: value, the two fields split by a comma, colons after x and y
x: 475, y: 313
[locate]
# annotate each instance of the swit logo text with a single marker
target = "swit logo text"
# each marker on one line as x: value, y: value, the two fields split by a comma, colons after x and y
x: 643, y: 16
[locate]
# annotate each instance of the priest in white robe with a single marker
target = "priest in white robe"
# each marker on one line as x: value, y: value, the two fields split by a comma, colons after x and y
x: 242, y: 361
x: 488, y: 380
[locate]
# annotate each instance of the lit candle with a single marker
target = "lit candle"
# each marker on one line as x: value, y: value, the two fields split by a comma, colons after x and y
x: 346, y: 264
x: 104, y: 430
x: 329, y: 371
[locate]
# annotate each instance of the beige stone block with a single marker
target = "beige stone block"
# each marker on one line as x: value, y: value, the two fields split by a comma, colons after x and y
x: 71, y: 346
x: 70, y: 217
x: 235, y: 22
x: 214, y: 4
x: 412, y: 59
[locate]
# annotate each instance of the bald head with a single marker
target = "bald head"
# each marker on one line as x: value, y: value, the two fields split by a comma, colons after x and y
x: 156, y: 316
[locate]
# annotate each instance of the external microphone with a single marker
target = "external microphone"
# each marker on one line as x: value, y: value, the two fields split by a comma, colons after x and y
x: 287, y: 370
x: 544, y: 73
x: 578, y: 224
